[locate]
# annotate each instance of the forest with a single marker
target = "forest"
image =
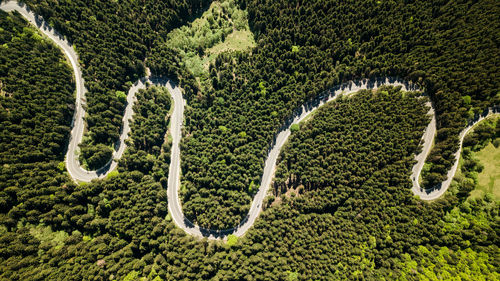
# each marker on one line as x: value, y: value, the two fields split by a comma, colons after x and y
x: 112, y: 40
x: 302, y: 50
x: 341, y: 206
x: 36, y: 107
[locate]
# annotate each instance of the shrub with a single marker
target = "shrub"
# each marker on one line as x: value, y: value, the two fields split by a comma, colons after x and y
x: 294, y: 128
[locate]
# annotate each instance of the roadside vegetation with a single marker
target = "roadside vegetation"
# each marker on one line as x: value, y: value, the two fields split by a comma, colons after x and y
x: 330, y: 169
x: 119, y: 228
x: 301, y: 49
x: 305, y: 48
x: 36, y: 108
x: 342, y: 207
x: 92, y: 224
x: 346, y: 142
x: 112, y: 40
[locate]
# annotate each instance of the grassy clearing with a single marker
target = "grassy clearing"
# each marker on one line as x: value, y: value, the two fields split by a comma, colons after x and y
x: 238, y: 40
x: 489, y: 178
x: 222, y: 28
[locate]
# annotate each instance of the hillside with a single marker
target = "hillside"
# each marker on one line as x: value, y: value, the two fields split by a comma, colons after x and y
x: 340, y: 205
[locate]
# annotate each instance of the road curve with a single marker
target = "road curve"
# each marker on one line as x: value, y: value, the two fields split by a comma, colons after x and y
x: 436, y: 191
x: 72, y: 164
x: 77, y: 173
x: 280, y: 139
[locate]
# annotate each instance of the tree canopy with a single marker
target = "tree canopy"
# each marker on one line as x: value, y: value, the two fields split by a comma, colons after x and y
x: 341, y: 206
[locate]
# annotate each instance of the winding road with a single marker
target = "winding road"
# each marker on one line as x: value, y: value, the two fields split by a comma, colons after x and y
x: 436, y: 191
x: 77, y: 173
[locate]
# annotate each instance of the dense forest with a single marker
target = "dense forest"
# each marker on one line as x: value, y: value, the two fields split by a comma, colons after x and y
x: 119, y: 229
x: 303, y: 48
x: 36, y: 107
x: 341, y: 206
x: 112, y: 39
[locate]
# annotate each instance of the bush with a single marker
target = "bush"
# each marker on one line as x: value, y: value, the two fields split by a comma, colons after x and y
x: 232, y: 240
x: 122, y: 97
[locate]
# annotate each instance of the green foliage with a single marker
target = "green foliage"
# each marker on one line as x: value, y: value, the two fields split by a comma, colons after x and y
x: 496, y: 143
x: 446, y: 264
x: 61, y: 166
x: 365, y: 110
x: 232, y: 240
x: 383, y: 41
x: 293, y: 276
x: 149, y: 127
x: 112, y: 39
x: 132, y: 276
x: 47, y: 237
x: 294, y: 128
x: 112, y: 174
x: 467, y: 99
x: 482, y: 134
x: 251, y: 187
x: 95, y: 156
x: 36, y: 98
x: 263, y: 89
x: 122, y: 97
x: 480, y: 160
x: 352, y: 216
x: 373, y: 242
x: 222, y: 28
x: 128, y: 231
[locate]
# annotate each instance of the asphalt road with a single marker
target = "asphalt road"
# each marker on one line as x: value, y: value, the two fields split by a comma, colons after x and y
x: 72, y: 164
x: 436, y: 192
x: 174, y: 204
